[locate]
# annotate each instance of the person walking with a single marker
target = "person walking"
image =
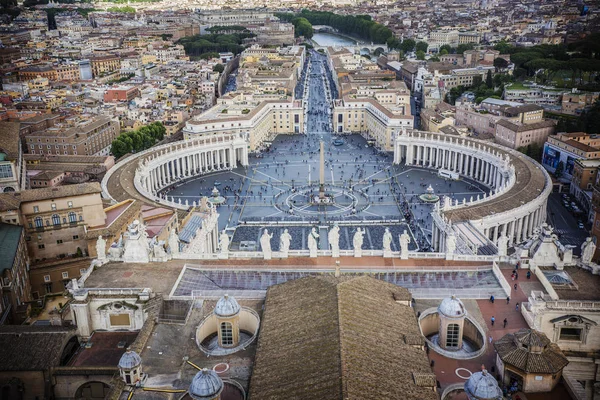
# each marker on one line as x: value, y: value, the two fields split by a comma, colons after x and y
x: 528, y: 274
x: 507, y: 299
x: 492, y: 299
x: 490, y: 339
x: 515, y: 286
x: 517, y: 307
x: 493, y: 320
x: 505, y: 322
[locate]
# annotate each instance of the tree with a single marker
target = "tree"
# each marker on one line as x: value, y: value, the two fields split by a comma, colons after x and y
x: 119, y: 148
x: 464, y: 47
x: 303, y: 27
x: 503, y: 47
x: 422, y: 46
x: 407, y: 45
x: 443, y: 52
x: 559, y: 169
x: 420, y: 55
x: 219, y: 68
x: 447, y: 48
x: 393, y: 43
x: 500, y: 64
x: 488, y: 79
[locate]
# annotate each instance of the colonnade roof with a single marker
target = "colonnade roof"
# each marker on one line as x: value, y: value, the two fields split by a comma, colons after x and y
x: 529, y: 185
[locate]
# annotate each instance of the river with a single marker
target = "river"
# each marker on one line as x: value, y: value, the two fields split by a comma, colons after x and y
x: 331, y: 39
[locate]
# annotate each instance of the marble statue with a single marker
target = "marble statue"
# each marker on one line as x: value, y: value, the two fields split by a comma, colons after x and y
x: 101, y: 249
x: 223, y: 244
x: 313, y: 245
x: 333, y: 237
x: 387, y: 243
x: 115, y: 252
x: 588, y: 248
x: 450, y: 245
x: 265, y: 244
x: 173, y: 242
x: 502, y: 245
x: 284, y: 243
x: 158, y: 250
x: 404, y: 241
x: 357, y: 241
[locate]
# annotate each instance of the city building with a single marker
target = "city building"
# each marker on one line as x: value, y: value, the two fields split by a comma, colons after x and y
x: 56, y: 218
x: 16, y: 291
x: 565, y: 148
x: 12, y: 166
x: 79, y: 135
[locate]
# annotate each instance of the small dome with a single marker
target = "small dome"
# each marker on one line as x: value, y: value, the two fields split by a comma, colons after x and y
x: 130, y: 359
x: 206, y: 385
x: 482, y: 386
x: 452, y: 307
x: 227, y: 306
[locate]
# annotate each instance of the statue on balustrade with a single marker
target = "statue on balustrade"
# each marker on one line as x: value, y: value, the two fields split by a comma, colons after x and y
x: 333, y: 237
x: 284, y: 243
x: 265, y: 244
x: 404, y: 242
x: 357, y: 241
x: 588, y: 248
x: 313, y: 245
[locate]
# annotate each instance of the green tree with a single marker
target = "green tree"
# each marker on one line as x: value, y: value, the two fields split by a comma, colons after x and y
x: 503, y: 47
x: 119, y: 148
x: 420, y: 55
x: 407, y: 45
x: 393, y: 43
x: 500, y: 64
x: 560, y: 168
x: 421, y: 46
x: 489, y: 80
x: 447, y: 48
x: 219, y: 68
x: 464, y: 47
x: 443, y: 52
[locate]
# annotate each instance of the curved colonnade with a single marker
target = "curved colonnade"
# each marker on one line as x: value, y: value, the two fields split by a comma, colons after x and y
x: 162, y: 166
x: 519, y: 187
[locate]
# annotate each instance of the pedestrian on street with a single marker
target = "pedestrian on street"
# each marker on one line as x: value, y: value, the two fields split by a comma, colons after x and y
x: 515, y: 286
x: 492, y: 299
x: 517, y: 307
x: 516, y: 275
x: 528, y: 274
x: 490, y: 339
x: 493, y: 320
x: 505, y: 322
x: 507, y: 299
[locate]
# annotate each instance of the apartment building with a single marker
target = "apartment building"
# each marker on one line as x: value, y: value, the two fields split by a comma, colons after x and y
x: 238, y: 113
x: 567, y: 148
x: 102, y: 65
x: 56, y: 219
x: 13, y: 176
x: 14, y: 283
x: 80, y: 135
x: 517, y: 134
x: 584, y: 178
x: 122, y: 93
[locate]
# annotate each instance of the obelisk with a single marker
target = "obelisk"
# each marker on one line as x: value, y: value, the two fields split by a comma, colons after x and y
x: 322, y: 173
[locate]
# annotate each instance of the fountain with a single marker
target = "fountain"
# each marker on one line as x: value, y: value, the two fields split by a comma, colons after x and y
x: 429, y: 196
x: 216, y: 198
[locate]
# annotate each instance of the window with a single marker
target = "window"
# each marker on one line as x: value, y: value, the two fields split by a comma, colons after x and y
x: 6, y: 171
x: 46, y: 278
x: 75, y: 237
x: 59, y: 241
x: 72, y: 218
x: 81, y: 217
x: 38, y: 222
x: 48, y: 287
x: 36, y: 209
x: 41, y: 246
x: 226, y: 334
x: 570, y: 334
x: 65, y: 275
x: 55, y: 219
x: 53, y: 206
x: 452, y: 335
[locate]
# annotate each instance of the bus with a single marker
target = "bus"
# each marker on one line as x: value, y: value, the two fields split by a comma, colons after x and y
x: 444, y: 173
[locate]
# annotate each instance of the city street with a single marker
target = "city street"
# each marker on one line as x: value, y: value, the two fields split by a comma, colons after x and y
x: 565, y: 223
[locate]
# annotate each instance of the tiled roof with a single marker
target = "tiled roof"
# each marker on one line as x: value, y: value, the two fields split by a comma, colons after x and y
x: 530, y: 351
x: 9, y: 139
x: 14, y: 199
x: 340, y: 338
x: 32, y: 348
